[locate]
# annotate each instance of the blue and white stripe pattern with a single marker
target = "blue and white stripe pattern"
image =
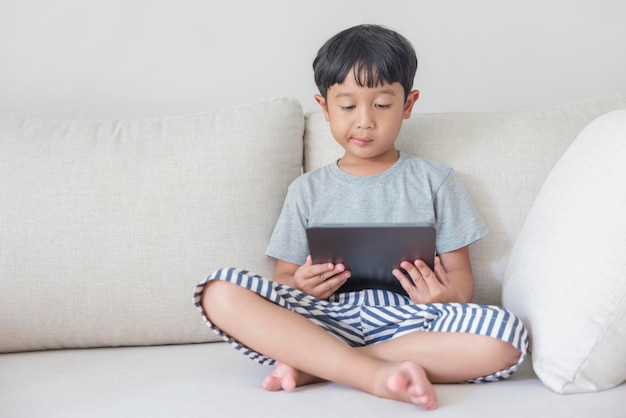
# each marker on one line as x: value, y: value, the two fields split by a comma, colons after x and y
x: 371, y: 316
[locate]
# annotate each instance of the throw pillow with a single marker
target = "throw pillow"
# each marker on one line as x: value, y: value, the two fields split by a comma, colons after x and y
x: 566, y: 276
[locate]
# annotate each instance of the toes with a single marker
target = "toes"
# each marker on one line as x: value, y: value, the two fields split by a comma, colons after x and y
x: 282, y: 377
x: 271, y: 383
x: 423, y: 399
x: 411, y: 383
x: 288, y: 382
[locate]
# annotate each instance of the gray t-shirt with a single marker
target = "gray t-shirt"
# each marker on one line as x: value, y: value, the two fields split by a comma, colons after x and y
x: 413, y: 190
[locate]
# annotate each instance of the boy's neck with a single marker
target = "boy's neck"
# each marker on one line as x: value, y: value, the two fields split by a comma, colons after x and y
x: 367, y: 167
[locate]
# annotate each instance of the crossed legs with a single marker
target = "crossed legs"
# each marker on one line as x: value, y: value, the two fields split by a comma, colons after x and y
x: 403, y: 368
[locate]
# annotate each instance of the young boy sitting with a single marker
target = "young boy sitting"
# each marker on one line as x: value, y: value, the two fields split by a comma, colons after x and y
x: 388, y: 344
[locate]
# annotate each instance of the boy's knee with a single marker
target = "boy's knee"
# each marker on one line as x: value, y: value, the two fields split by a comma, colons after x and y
x: 506, y: 352
x: 218, y: 296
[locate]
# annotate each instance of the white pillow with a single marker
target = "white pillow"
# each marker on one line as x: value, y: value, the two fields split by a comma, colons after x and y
x: 107, y: 226
x: 566, y: 276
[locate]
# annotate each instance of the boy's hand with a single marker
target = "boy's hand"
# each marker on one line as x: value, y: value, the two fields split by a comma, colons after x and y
x: 320, y: 280
x: 424, y: 285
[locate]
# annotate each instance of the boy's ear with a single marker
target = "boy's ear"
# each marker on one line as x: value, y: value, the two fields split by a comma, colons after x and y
x: 411, y: 98
x: 322, y: 102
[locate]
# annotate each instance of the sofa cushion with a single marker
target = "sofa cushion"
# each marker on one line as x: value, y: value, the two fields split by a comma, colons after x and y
x: 566, y: 277
x: 106, y: 226
x: 214, y: 381
x: 502, y: 157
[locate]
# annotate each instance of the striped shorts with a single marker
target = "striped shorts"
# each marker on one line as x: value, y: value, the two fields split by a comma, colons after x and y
x: 371, y: 316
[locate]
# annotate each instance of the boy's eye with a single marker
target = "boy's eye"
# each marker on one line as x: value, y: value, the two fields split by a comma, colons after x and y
x: 348, y: 107
x: 383, y: 106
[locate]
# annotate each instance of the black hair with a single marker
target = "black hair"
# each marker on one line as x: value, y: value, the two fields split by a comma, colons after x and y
x: 373, y: 53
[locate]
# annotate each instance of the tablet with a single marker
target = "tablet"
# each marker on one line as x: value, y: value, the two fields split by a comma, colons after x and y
x: 372, y: 251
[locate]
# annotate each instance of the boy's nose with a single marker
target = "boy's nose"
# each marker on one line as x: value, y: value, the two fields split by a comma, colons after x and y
x: 365, y: 120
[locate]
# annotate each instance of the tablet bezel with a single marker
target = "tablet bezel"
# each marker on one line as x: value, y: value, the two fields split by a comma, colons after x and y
x: 372, y: 251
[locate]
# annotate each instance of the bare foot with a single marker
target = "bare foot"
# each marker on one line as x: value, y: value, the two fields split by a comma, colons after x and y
x: 408, y: 382
x: 401, y: 381
x: 285, y: 377
x: 282, y: 377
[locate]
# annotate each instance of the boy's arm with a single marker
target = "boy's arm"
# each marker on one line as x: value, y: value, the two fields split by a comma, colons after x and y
x: 451, y: 281
x: 458, y: 269
x: 319, y: 280
x: 284, y: 272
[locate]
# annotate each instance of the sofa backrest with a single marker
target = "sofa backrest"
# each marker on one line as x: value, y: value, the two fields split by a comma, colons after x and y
x: 502, y: 157
x: 106, y: 226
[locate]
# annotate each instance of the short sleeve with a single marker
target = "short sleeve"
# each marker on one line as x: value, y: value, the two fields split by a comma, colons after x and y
x: 288, y: 241
x: 458, y: 222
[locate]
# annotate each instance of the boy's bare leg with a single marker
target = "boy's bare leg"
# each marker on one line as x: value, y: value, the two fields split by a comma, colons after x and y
x: 446, y: 358
x: 449, y: 357
x: 296, y: 341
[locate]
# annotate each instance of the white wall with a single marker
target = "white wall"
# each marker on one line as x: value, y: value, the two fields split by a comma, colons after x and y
x: 157, y: 57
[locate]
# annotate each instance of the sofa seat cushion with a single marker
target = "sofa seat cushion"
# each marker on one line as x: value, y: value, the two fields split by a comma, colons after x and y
x: 566, y: 277
x: 106, y: 226
x: 212, y: 380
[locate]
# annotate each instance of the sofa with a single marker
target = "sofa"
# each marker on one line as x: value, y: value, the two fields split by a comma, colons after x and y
x: 107, y: 225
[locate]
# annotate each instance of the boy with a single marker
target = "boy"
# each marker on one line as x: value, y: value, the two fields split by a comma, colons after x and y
x: 378, y: 341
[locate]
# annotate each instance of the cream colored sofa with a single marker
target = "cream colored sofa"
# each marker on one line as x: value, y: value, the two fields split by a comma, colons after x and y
x: 107, y: 225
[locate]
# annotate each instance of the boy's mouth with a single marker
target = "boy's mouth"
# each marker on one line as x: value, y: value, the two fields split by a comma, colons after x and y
x: 361, y: 142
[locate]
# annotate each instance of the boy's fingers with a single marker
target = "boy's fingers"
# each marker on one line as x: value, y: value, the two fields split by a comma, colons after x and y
x: 402, y: 278
x: 333, y: 283
x: 440, y: 273
x: 416, y: 275
x: 428, y: 275
x: 330, y: 285
x: 321, y: 269
x: 322, y: 273
x: 416, y: 292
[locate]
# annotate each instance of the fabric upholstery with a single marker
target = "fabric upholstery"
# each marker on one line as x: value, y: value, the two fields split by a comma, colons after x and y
x: 566, y: 277
x: 211, y: 380
x: 106, y: 226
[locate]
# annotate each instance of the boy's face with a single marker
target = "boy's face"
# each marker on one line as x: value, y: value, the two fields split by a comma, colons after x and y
x: 366, y: 121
